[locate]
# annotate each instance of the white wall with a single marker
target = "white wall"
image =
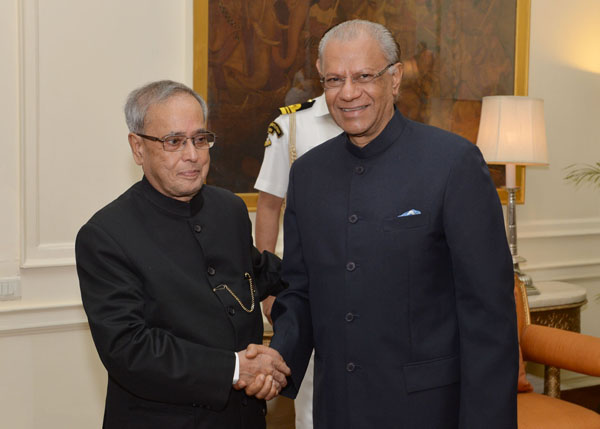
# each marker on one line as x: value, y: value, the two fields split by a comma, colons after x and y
x: 67, y: 66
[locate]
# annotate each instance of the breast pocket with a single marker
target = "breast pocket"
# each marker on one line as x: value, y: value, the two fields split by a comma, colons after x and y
x: 402, y: 223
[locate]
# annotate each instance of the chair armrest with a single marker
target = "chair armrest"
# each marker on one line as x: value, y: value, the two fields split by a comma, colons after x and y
x: 562, y: 349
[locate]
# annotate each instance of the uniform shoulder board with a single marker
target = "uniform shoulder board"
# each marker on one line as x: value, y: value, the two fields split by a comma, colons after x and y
x: 274, y: 128
x: 296, y: 107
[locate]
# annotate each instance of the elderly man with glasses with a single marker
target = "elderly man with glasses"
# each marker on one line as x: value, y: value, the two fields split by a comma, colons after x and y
x: 171, y: 282
x: 399, y: 271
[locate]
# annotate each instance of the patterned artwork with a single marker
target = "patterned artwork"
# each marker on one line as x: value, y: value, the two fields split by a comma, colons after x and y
x: 262, y: 54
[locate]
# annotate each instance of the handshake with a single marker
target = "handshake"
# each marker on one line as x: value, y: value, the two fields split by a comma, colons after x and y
x: 262, y: 372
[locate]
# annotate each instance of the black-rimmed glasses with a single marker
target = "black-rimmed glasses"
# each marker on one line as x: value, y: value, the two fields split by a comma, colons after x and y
x: 175, y: 143
x: 330, y: 82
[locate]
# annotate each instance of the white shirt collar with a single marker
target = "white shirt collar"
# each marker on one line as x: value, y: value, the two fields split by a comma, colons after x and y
x: 320, y: 106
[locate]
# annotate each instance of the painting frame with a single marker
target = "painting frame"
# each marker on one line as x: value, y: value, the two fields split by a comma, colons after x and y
x: 521, y: 76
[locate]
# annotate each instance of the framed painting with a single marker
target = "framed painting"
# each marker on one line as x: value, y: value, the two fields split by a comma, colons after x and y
x: 252, y: 57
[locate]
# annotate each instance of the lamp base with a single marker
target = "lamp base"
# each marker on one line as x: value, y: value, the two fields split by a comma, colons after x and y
x: 511, y: 214
x: 524, y: 278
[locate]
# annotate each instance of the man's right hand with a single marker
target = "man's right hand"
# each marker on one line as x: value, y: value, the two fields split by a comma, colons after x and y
x: 262, y: 372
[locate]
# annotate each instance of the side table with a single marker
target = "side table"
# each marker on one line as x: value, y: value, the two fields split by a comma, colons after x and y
x: 558, y: 306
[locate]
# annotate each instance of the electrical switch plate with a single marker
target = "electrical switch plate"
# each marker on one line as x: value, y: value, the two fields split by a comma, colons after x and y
x: 10, y: 288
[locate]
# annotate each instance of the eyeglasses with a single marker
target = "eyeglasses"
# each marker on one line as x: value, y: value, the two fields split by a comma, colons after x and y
x: 175, y: 143
x: 359, y: 78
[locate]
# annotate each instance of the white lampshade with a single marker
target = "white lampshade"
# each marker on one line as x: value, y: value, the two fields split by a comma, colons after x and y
x: 512, y: 130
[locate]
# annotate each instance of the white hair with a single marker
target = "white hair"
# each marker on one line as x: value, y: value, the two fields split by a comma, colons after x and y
x: 350, y: 30
x: 140, y: 99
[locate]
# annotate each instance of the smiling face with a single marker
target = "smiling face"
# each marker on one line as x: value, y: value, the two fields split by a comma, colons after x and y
x: 361, y: 110
x: 178, y: 175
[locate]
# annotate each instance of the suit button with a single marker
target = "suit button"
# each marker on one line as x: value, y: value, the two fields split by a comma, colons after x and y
x: 353, y: 218
x: 359, y: 169
x: 264, y: 411
x: 349, y: 317
x: 244, y: 401
x: 211, y: 271
x: 195, y: 405
x: 350, y: 266
x: 350, y: 367
x: 198, y: 228
x: 231, y: 310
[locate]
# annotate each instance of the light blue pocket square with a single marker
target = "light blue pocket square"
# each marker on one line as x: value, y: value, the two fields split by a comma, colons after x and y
x: 411, y: 212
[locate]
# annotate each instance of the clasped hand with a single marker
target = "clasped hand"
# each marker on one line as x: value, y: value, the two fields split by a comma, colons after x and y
x: 262, y: 372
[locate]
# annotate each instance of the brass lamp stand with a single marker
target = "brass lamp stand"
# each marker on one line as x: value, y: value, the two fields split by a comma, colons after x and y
x: 511, y: 214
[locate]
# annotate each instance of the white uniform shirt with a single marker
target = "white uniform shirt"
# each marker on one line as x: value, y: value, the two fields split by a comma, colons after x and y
x: 314, y: 125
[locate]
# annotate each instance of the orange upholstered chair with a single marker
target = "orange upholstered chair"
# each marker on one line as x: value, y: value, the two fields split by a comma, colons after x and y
x: 562, y: 349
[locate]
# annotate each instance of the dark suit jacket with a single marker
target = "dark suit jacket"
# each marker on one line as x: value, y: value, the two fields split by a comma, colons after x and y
x: 412, y: 316
x: 148, y: 266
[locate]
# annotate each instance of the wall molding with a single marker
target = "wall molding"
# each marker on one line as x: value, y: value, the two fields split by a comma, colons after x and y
x: 564, y: 249
x: 559, y: 228
x: 34, y: 252
x: 19, y: 319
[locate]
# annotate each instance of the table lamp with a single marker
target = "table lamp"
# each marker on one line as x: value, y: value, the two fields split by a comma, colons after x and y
x: 512, y: 132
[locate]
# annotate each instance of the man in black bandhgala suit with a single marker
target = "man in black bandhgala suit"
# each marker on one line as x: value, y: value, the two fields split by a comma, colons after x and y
x: 171, y: 282
x: 399, y: 271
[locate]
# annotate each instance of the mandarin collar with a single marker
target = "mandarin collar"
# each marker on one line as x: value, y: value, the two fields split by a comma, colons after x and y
x: 171, y: 205
x: 383, y: 141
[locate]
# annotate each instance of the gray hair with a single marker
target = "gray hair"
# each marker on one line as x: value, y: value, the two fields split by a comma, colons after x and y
x: 350, y: 30
x: 140, y: 99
